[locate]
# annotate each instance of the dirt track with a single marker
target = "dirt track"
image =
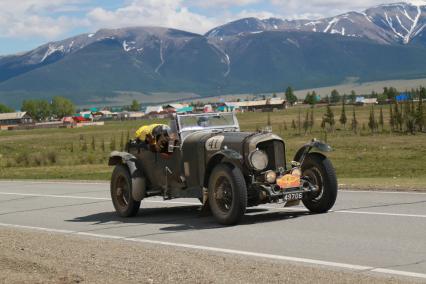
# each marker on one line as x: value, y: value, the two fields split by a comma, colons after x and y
x: 39, y: 257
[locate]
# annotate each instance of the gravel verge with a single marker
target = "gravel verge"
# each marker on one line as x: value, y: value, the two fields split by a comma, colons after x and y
x: 28, y: 256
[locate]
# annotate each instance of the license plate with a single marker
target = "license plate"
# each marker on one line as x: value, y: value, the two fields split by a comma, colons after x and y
x: 292, y: 196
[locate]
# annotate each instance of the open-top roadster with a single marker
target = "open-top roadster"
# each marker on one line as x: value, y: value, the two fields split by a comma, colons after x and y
x: 226, y: 169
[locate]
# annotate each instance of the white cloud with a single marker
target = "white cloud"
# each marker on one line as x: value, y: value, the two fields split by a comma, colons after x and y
x: 25, y: 18
x: 53, y: 19
x: 167, y: 13
x: 221, y: 3
x: 323, y: 8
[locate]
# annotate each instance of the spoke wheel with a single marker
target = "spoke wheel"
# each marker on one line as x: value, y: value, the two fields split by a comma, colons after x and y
x: 223, y: 194
x: 121, y: 192
x: 227, y: 193
x: 320, y: 172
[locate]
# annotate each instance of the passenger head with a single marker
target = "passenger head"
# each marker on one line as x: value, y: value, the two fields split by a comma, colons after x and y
x: 162, y: 135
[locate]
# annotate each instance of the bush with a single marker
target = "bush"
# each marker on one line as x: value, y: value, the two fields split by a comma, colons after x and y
x: 52, y: 157
x: 23, y: 159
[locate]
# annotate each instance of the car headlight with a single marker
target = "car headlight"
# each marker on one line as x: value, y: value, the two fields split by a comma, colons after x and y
x: 270, y: 176
x: 258, y: 160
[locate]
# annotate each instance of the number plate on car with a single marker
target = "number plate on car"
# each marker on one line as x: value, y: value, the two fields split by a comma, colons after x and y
x: 293, y: 196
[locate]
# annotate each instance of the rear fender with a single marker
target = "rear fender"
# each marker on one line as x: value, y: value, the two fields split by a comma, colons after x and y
x: 138, y: 178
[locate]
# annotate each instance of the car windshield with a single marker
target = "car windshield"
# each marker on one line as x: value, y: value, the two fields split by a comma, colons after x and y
x: 196, y: 122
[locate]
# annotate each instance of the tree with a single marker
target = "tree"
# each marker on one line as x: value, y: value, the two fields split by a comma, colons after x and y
x: 289, y: 96
x: 397, y: 116
x: 5, y: 108
x: 352, y: 97
x: 299, y: 121
x: 354, y: 122
x: 381, y: 119
x: 420, y: 116
x: 122, y: 142
x: 293, y: 124
x: 372, y: 123
x: 274, y: 95
x: 343, y: 119
x: 335, y: 97
x: 43, y: 109
x: 268, y: 119
x: 93, y: 144
x: 328, y: 118
x: 37, y: 109
x: 311, y: 120
x: 135, y: 106
x: 311, y: 98
x: 62, y: 107
x: 308, y: 98
x: 422, y: 93
x: 112, y: 146
x: 84, y: 146
x: 306, y: 122
x: 410, y: 117
x: 391, y: 118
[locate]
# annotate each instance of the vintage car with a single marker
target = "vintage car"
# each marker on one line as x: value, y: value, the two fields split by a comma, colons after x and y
x: 226, y: 169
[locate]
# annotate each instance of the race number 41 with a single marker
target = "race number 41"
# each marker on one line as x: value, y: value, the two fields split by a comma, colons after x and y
x: 214, y: 143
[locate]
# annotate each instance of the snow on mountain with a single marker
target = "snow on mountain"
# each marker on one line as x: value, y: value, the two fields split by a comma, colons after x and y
x: 388, y: 23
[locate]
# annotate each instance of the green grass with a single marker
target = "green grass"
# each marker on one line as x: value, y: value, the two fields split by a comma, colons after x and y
x: 371, y: 159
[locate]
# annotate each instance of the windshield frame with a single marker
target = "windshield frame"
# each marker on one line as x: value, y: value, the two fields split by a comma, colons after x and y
x: 185, y: 130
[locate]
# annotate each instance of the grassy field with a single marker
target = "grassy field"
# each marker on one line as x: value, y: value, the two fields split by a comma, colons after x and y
x: 377, y: 160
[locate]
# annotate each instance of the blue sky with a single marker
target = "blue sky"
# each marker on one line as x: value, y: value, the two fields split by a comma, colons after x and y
x: 26, y: 24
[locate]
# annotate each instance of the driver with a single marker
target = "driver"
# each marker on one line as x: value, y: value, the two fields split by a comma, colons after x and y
x: 156, y: 136
x: 203, y: 121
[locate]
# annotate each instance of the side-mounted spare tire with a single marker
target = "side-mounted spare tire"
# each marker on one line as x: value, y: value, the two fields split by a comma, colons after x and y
x: 227, y: 193
x: 320, y: 172
x: 121, y: 192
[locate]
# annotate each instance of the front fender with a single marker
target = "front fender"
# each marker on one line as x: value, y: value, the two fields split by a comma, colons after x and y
x: 314, y: 144
x: 229, y: 156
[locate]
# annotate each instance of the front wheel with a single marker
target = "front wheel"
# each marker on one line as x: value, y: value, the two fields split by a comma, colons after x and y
x: 227, y: 194
x: 121, y: 192
x: 320, y: 172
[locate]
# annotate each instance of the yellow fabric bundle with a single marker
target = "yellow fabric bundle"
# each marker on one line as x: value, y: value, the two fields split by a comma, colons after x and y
x: 143, y: 131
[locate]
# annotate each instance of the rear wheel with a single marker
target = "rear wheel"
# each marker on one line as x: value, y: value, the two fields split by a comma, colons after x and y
x: 320, y: 172
x: 227, y: 194
x: 121, y: 192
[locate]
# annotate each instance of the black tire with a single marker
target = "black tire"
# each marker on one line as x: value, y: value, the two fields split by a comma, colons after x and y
x: 121, y: 192
x: 227, y: 194
x: 320, y: 172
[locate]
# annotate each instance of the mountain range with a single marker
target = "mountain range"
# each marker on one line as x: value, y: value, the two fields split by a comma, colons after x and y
x: 245, y: 56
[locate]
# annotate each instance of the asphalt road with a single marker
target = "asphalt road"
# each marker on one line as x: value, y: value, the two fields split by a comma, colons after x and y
x: 379, y: 232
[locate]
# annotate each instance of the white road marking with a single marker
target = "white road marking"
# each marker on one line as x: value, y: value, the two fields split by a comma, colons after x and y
x: 382, y: 192
x: 56, y: 182
x: 380, y: 213
x: 54, y: 196
x: 355, y: 267
x: 298, y: 209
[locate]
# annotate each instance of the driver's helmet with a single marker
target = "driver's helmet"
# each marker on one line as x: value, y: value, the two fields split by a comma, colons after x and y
x: 203, y: 121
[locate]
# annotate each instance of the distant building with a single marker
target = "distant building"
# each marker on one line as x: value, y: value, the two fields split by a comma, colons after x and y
x: 154, y: 109
x: 15, y: 118
x: 365, y: 101
x: 173, y: 107
x: 208, y: 108
x: 403, y: 97
x: 261, y: 105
